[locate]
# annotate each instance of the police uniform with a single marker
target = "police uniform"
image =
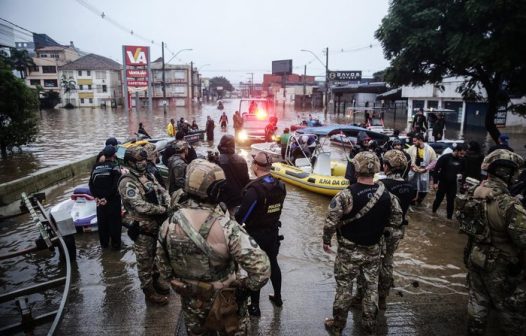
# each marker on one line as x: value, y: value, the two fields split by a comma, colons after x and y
x: 495, y: 258
x: 199, y: 248
x: 103, y: 184
x: 359, y: 235
x: 146, y: 204
x: 260, y: 211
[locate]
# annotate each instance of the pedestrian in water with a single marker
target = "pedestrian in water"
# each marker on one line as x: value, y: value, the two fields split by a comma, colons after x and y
x: 359, y: 215
x: 146, y: 204
x: 423, y: 159
x: 495, y: 223
x: 171, y: 128
x: 236, y: 172
x: 210, y: 129
x: 238, y: 123
x: 223, y: 120
x: 283, y: 141
x: 103, y: 185
x: 204, y: 271
x: 438, y: 127
x: 445, y: 176
x: 260, y: 210
x: 142, y: 132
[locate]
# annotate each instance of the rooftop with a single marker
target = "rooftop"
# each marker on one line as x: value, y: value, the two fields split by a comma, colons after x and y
x: 92, y: 62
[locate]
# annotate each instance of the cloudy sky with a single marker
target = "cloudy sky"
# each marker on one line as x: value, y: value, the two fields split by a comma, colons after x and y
x: 229, y: 37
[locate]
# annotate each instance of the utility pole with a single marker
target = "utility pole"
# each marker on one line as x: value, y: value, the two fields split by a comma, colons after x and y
x: 251, y: 87
x: 191, y: 82
x: 163, y: 81
x: 326, y: 80
x: 304, y: 86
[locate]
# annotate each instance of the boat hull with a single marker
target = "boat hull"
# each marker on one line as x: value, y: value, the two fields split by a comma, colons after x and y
x: 320, y: 184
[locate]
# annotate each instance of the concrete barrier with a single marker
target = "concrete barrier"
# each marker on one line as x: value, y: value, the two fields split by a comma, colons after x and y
x: 10, y: 191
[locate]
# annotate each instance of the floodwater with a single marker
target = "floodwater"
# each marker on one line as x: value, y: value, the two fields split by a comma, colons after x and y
x: 429, y: 295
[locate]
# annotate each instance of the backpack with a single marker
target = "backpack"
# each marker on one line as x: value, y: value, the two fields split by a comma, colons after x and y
x: 472, y: 213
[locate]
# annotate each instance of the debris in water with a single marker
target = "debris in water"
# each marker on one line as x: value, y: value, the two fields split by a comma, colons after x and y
x: 415, y: 284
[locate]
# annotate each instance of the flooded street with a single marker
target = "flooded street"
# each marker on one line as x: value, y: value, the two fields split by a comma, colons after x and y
x: 429, y: 297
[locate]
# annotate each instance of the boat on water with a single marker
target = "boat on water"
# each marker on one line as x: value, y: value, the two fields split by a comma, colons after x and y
x: 81, y: 207
x: 346, y: 130
x: 272, y: 149
x: 309, y: 167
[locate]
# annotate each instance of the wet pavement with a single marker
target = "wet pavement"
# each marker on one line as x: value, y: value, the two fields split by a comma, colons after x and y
x: 105, y: 298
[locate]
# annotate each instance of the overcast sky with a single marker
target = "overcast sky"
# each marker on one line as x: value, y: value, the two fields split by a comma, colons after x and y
x: 234, y: 37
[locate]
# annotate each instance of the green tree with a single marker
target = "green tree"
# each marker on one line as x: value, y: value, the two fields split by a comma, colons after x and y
x: 378, y: 76
x: 20, y: 61
x: 221, y: 82
x: 18, y: 104
x: 69, y: 85
x: 479, y: 40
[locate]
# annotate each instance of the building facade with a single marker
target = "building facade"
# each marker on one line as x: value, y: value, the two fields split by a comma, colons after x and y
x: 47, y: 61
x: 182, y: 82
x: 97, y: 81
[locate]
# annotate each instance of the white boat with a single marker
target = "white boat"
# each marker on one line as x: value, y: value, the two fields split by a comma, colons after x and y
x: 81, y: 208
x: 272, y: 149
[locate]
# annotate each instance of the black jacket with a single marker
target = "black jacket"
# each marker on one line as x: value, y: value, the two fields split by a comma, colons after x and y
x: 236, y: 174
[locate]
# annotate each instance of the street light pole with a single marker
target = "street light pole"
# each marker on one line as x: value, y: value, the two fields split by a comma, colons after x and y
x: 326, y: 66
x: 163, y: 82
x: 177, y: 53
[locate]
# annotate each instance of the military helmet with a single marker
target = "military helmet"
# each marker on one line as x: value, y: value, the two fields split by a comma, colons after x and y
x: 180, y: 146
x: 135, y: 154
x: 502, y: 157
x: 366, y: 163
x: 396, y: 159
x: 200, y: 175
x: 150, y: 151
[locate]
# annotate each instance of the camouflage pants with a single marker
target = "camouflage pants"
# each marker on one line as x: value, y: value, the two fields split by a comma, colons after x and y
x: 195, y: 312
x: 386, y: 280
x: 144, y: 248
x: 349, y: 263
x: 487, y: 289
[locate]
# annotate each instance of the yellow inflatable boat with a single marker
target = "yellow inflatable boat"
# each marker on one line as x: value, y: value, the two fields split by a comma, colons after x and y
x: 327, y: 177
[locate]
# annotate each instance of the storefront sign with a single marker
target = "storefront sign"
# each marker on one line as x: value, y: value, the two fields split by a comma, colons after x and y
x: 500, y: 117
x: 136, y: 73
x: 136, y: 55
x: 345, y: 75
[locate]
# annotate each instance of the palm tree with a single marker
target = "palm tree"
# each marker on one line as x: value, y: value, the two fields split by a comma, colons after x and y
x: 20, y: 61
x: 69, y: 85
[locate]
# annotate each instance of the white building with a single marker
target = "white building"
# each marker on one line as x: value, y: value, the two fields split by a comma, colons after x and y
x: 97, y: 80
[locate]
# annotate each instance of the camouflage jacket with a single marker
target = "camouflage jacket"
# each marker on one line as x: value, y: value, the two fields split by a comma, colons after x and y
x: 176, y: 173
x: 138, y: 208
x: 227, y: 239
x: 506, y: 217
x: 342, y: 204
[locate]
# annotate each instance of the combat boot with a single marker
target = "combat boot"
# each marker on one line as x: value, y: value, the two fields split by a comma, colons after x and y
x: 162, y: 287
x: 152, y: 296
x: 333, y: 327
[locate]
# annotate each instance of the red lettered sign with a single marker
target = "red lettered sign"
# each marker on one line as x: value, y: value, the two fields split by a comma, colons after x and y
x: 136, y: 73
x: 137, y: 83
x: 136, y: 55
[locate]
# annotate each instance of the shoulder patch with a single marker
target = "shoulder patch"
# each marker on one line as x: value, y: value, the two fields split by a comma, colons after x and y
x: 130, y: 193
x: 333, y: 204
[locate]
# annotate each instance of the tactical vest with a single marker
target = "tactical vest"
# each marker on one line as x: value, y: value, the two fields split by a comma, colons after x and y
x: 271, y: 195
x: 149, y: 195
x: 188, y: 260
x: 102, y: 178
x: 368, y: 229
x: 404, y: 190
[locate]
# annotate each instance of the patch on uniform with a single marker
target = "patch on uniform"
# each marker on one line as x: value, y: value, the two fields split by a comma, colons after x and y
x: 252, y: 242
x: 333, y: 204
x: 130, y: 193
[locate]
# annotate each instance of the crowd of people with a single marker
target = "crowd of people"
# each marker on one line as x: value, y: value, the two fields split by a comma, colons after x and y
x: 194, y: 231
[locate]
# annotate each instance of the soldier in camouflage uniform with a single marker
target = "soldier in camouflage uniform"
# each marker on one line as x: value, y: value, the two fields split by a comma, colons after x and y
x: 359, y: 215
x: 146, y: 202
x: 177, y: 166
x: 496, y: 247
x: 199, y: 248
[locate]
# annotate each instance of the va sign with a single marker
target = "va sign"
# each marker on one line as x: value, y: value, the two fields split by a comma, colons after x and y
x: 136, y: 55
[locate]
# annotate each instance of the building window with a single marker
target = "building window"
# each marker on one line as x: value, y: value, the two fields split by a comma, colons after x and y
x: 104, y: 88
x: 82, y: 100
x: 91, y: 100
x: 100, y: 74
x: 81, y: 87
x: 42, y: 55
x: 50, y: 83
x: 89, y: 86
x: 80, y: 72
x: 49, y: 69
x: 179, y: 90
x: 34, y: 81
x: 89, y: 73
x: 180, y: 74
x: 34, y: 69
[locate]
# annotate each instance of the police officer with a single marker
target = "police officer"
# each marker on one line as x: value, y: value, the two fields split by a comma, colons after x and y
x: 103, y: 184
x: 145, y: 202
x: 236, y: 172
x: 359, y: 215
x: 260, y: 210
x: 201, y: 247
x: 177, y: 166
x: 495, y: 250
